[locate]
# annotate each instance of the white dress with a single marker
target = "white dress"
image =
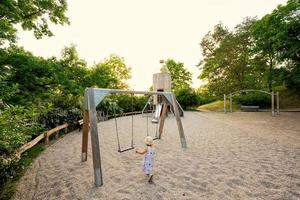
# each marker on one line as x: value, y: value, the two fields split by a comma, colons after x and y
x: 148, y: 160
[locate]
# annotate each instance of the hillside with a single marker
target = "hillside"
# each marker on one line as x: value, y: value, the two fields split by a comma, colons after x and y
x: 288, y: 100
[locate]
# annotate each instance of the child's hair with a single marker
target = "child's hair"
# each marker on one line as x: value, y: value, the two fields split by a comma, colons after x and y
x: 148, y: 141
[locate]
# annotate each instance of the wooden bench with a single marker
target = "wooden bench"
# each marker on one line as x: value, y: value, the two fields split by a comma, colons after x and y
x: 249, y: 108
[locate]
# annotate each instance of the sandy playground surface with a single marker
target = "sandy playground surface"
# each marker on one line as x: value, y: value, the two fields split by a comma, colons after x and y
x: 232, y: 156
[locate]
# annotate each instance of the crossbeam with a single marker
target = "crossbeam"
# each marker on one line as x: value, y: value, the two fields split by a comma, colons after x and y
x: 115, y: 91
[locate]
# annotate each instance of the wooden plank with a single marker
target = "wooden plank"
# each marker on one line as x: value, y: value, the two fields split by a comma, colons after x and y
x: 44, y: 135
x: 162, y: 119
x: 30, y: 144
x: 85, y: 135
x: 179, y: 124
x: 56, y: 129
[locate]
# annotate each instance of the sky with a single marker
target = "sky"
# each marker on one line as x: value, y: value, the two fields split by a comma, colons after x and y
x: 143, y: 32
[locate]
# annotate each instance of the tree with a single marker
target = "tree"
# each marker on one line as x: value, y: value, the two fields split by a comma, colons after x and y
x: 111, y: 73
x: 31, y: 78
x: 181, y: 77
x: 73, y: 72
x: 276, y: 36
x: 31, y: 15
x: 228, y: 62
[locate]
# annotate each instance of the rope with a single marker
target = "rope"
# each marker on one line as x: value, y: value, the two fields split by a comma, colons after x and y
x: 147, y: 125
x: 132, y: 120
x: 156, y: 132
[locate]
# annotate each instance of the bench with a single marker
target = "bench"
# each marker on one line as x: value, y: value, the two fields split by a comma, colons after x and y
x: 249, y: 108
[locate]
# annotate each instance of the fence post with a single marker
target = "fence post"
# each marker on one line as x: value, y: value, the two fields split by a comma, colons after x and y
x: 46, y: 138
x: 224, y: 103
x: 230, y: 102
x: 277, y: 101
x: 272, y: 103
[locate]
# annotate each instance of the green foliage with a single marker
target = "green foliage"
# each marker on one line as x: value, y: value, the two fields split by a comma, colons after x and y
x: 31, y: 15
x: 30, y: 78
x: 228, y: 63
x: 187, y: 98
x: 122, y: 103
x: 181, y: 77
x: 205, y: 96
x: 110, y: 73
x: 258, y: 54
x: 58, y: 116
x: 18, y: 125
x: 253, y: 99
x: 276, y: 38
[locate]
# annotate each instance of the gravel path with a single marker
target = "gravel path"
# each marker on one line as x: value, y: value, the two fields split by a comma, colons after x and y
x: 232, y: 156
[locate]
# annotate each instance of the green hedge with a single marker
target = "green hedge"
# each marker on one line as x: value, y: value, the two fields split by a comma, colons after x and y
x: 254, y: 99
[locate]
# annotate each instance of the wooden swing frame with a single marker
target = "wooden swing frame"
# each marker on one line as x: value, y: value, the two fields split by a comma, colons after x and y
x: 92, y: 97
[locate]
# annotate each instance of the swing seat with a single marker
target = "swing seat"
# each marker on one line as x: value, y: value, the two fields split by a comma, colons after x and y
x: 127, y: 149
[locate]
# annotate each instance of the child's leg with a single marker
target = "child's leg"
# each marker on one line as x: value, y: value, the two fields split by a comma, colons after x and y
x: 150, y: 180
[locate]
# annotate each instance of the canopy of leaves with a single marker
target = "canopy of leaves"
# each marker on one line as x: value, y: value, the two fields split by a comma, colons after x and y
x: 30, y: 15
x: 181, y: 77
x: 277, y: 37
x: 228, y: 62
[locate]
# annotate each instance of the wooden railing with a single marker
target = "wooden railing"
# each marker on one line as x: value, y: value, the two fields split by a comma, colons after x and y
x: 44, y: 136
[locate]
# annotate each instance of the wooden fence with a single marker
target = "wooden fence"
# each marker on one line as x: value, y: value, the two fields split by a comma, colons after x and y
x: 44, y: 136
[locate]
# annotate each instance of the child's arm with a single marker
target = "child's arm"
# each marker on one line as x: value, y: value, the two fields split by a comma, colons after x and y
x: 143, y: 151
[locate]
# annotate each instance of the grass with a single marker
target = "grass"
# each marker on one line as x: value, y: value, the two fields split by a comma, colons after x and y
x: 288, y: 98
x: 218, y: 106
x: 8, y: 189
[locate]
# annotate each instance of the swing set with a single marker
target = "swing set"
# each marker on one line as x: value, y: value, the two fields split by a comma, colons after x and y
x: 93, y: 96
x: 133, y: 113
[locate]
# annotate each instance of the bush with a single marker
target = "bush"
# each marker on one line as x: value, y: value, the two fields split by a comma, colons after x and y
x: 122, y: 103
x: 187, y: 98
x: 59, y: 116
x: 254, y: 98
x: 205, y: 96
x: 17, y: 126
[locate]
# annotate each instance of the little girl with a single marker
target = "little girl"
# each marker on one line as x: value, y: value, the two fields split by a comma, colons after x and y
x: 148, y: 151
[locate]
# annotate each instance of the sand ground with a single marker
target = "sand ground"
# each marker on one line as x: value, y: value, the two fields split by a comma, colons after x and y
x: 232, y: 156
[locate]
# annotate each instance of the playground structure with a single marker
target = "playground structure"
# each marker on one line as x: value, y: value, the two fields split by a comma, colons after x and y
x: 162, y: 82
x: 93, y: 96
x: 272, y: 94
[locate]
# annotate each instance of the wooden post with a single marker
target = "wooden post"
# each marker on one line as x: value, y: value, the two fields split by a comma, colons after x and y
x: 178, y: 120
x: 272, y: 104
x: 85, y: 136
x: 277, y: 101
x: 95, y: 140
x: 162, y: 119
x: 46, y: 137
x: 230, y: 102
x: 224, y: 103
x: 56, y: 135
